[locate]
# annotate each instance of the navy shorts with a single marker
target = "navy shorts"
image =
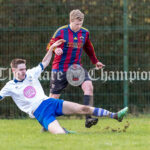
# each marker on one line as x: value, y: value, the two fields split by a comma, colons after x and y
x: 57, y: 85
x: 48, y: 111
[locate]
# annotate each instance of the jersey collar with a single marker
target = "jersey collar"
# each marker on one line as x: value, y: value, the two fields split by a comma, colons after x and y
x: 16, y: 81
x: 72, y: 30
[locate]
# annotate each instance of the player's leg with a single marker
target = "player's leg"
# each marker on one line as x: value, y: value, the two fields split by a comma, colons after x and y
x: 74, y: 108
x: 46, y: 115
x: 55, y: 128
x: 70, y: 108
x: 87, y: 88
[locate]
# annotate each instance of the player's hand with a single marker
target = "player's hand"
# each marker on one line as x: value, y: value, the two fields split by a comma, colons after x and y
x: 57, y: 43
x: 99, y: 65
x: 58, y: 51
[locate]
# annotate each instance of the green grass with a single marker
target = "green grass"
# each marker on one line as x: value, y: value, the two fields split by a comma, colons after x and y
x: 26, y: 135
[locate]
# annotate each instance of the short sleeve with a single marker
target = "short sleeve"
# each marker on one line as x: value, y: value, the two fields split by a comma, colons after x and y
x: 36, y: 71
x: 4, y: 92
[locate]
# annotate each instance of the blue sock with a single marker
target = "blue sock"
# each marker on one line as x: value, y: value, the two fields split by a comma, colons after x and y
x: 99, y: 112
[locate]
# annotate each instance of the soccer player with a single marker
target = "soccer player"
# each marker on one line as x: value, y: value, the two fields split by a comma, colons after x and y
x: 69, y: 53
x: 28, y: 94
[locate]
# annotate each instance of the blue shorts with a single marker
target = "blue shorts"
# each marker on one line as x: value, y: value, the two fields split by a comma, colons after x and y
x: 48, y: 111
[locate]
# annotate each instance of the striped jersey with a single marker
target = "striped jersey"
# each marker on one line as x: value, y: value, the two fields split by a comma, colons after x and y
x: 72, y: 48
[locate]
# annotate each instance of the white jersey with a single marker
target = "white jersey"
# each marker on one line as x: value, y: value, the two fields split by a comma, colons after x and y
x: 27, y: 94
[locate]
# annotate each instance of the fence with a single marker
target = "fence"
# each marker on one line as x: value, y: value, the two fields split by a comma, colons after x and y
x: 119, y: 31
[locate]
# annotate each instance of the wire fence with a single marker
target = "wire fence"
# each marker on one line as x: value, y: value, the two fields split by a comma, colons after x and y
x: 119, y: 31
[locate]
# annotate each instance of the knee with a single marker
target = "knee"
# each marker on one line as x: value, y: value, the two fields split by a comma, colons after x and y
x: 57, y: 131
x: 85, y: 109
x: 88, y: 89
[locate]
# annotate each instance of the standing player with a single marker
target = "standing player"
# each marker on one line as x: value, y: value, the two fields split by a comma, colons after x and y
x: 77, y: 39
x: 29, y: 96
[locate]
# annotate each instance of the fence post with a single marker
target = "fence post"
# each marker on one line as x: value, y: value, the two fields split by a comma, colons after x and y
x: 125, y: 49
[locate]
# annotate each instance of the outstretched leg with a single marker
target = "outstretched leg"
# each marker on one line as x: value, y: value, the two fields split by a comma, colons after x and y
x: 70, y: 108
x: 74, y: 108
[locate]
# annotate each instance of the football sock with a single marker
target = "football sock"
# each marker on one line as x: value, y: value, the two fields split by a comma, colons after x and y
x: 99, y: 112
x: 86, y: 101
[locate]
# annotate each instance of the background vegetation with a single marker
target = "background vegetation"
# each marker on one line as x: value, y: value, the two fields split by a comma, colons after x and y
x: 27, y: 26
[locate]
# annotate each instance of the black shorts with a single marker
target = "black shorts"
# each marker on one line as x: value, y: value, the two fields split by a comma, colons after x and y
x: 59, y: 81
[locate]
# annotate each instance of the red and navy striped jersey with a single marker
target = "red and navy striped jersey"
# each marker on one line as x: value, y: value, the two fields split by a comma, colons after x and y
x: 72, y: 48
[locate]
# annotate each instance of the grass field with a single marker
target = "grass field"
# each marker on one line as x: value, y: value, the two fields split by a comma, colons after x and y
x: 26, y: 135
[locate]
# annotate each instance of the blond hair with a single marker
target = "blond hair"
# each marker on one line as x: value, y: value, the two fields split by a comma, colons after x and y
x: 76, y: 14
x: 15, y: 62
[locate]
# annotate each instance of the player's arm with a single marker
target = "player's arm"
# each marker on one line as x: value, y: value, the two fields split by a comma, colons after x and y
x: 48, y: 56
x: 89, y: 49
x: 36, y: 71
x: 51, y: 42
x: 57, y: 36
x: 4, y: 92
x: 58, y: 51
